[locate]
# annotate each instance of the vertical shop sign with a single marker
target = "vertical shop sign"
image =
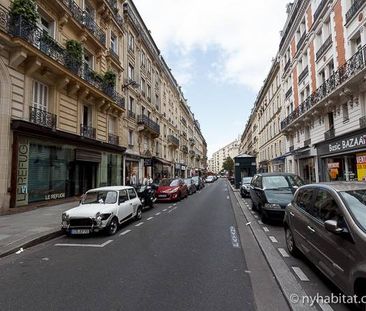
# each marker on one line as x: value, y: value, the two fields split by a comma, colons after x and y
x: 361, y: 166
x: 22, y: 173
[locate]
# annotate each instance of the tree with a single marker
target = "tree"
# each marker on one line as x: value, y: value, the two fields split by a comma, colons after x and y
x: 228, y: 165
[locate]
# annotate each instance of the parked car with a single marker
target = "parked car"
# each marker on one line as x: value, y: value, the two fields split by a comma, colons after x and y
x: 102, y: 209
x: 327, y: 223
x: 171, y: 190
x: 146, y: 194
x: 271, y: 192
x: 190, y: 185
x: 245, y: 187
x: 231, y: 180
x: 210, y: 179
x: 198, y: 181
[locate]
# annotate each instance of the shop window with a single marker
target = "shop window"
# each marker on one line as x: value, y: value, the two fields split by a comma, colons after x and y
x: 345, y: 112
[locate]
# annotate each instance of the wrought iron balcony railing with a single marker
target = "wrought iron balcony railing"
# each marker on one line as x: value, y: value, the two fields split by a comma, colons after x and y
x: 113, y: 54
x: 303, y: 74
x: 329, y: 134
x: 355, y: 7
x: 113, y: 139
x: 42, y: 117
x: 287, y: 66
x: 146, y: 121
x: 327, y: 43
x: 292, y: 148
x: 344, y: 73
x: 184, y: 149
x: 307, y: 142
x: 85, y: 19
x: 192, y: 141
x: 173, y: 140
x: 363, y: 122
x: 87, y: 131
x: 319, y: 9
x: 289, y: 92
x: 131, y: 114
x: 301, y: 41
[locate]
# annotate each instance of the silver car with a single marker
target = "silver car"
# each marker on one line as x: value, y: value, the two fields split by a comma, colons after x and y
x: 327, y: 223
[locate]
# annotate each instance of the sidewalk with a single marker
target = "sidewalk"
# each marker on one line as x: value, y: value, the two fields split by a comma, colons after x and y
x: 26, y: 229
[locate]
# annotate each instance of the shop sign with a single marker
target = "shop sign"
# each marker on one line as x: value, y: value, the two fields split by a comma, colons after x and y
x: 349, y: 143
x: 177, y: 166
x: 333, y: 165
x: 147, y: 162
x: 183, y: 168
x: 54, y: 196
x: 22, y: 173
x: 361, y: 166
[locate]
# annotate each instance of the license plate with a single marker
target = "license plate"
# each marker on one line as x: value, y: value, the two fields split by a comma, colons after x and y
x: 80, y: 231
x: 162, y: 195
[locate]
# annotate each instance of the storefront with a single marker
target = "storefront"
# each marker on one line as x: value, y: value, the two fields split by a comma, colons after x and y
x: 305, y: 160
x: 180, y: 170
x: 161, y: 169
x: 343, y: 158
x: 49, y: 165
x: 278, y: 164
x: 132, y: 165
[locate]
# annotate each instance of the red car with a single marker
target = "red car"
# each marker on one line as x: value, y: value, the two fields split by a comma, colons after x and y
x: 171, y: 190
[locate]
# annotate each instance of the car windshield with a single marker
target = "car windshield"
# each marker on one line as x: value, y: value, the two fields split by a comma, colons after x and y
x: 97, y: 197
x: 275, y: 182
x: 356, y: 202
x: 187, y: 181
x: 165, y: 182
x: 247, y: 180
x: 174, y: 183
x: 195, y: 178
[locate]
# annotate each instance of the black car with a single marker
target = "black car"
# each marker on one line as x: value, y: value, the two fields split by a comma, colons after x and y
x: 198, y: 182
x: 146, y: 194
x: 245, y: 187
x: 191, y: 185
x: 271, y: 192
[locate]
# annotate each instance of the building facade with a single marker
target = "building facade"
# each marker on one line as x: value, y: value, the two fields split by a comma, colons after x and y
x: 231, y: 150
x: 87, y: 100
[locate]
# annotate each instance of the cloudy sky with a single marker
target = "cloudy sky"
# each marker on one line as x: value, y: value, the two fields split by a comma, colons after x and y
x: 220, y: 53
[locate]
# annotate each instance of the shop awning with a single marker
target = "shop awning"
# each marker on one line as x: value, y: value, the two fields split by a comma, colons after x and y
x: 162, y: 161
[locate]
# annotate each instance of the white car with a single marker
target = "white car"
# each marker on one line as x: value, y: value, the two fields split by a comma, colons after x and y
x: 210, y: 179
x: 102, y: 209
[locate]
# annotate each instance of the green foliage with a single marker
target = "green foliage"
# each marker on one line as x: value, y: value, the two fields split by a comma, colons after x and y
x: 25, y: 8
x: 74, y: 50
x: 228, y: 165
x: 109, y: 78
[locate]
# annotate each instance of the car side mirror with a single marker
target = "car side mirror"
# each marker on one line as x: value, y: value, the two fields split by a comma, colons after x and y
x: 332, y: 226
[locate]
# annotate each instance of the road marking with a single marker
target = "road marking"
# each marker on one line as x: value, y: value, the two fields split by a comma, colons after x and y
x: 228, y: 197
x: 234, y: 237
x: 124, y: 232
x: 252, y: 212
x: 283, y: 252
x: 255, y: 216
x: 273, y: 239
x: 150, y: 218
x: 325, y: 306
x: 164, y: 210
x: 139, y: 224
x: 260, y: 222
x: 172, y: 209
x: 157, y: 214
x: 85, y: 245
x: 301, y: 275
x: 265, y: 229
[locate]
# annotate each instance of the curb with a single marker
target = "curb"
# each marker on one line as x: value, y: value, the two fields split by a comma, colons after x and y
x: 35, y: 241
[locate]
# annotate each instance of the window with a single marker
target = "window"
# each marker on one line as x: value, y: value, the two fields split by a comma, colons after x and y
x: 304, y: 199
x: 46, y: 24
x: 143, y: 86
x: 88, y: 58
x: 131, y: 42
x: 123, y: 197
x: 325, y: 207
x: 114, y: 43
x: 148, y: 66
x: 112, y: 125
x: 87, y: 116
x: 143, y: 59
x: 131, y: 193
x: 345, y: 112
x: 149, y: 93
x: 131, y: 72
x: 40, y: 96
x: 130, y: 137
x: 131, y: 104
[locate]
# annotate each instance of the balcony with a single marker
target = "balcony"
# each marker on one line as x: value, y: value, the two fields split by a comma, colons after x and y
x: 148, y: 125
x: 303, y: 74
x: 84, y: 19
x: 319, y: 9
x: 347, y: 72
x: 287, y: 66
x: 42, y: 117
x: 292, y: 148
x: 87, y: 131
x: 173, y: 141
x: 131, y: 114
x: 114, y: 55
x: 184, y: 149
x: 113, y: 139
x: 192, y: 153
x: 301, y: 41
x: 324, y: 48
x: 329, y: 134
x: 362, y: 122
x: 307, y: 142
x: 288, y: 93
x: 191, y: 142
x: 356, y: 6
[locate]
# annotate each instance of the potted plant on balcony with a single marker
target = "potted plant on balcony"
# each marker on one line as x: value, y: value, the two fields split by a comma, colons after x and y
x: 73, y: 55
x: 109, y: 82
x: 23, y: 18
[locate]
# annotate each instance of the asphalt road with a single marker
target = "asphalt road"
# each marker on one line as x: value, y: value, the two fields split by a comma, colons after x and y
x: 179, y: 257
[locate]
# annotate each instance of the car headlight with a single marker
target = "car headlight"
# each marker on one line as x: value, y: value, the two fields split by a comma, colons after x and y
x: 65, y: 217
x: 272, y: 206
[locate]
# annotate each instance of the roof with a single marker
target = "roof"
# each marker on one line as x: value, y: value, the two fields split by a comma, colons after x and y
x: 275, y: 174
x: 341, y: 185
x: 111, y: 188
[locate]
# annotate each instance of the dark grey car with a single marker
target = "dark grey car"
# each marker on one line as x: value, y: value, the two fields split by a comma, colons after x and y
x: 327, y: 223
x: 271, y: 192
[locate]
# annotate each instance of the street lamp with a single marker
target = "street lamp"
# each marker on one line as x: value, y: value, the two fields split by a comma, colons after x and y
x: 133, y: 83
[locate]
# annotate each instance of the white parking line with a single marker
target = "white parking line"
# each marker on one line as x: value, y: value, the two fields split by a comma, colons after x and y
x: 234, y: 237
x: 157, y: 214
x: 172, y: 209
x: 301, y: 275
x: 260, y: 222
x: 265, y: 229
x: 124, y: 232
x: 255, y: 216
x: 139, y: 224
x: 150, y: 218
x: 228, y: 197
x: 273, y: 239
x: 85, y: 245
x: 283, y: 252
x: 164, y: 210
x: 325, y: 306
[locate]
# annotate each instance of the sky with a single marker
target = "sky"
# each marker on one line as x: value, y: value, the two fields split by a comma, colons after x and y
x: 220, y: 53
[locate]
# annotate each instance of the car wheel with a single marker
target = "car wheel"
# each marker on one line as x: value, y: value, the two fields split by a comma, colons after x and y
x: 138, y: 213
x: 264, y: 216
x: 290, y: 242
x: 113, y: 226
